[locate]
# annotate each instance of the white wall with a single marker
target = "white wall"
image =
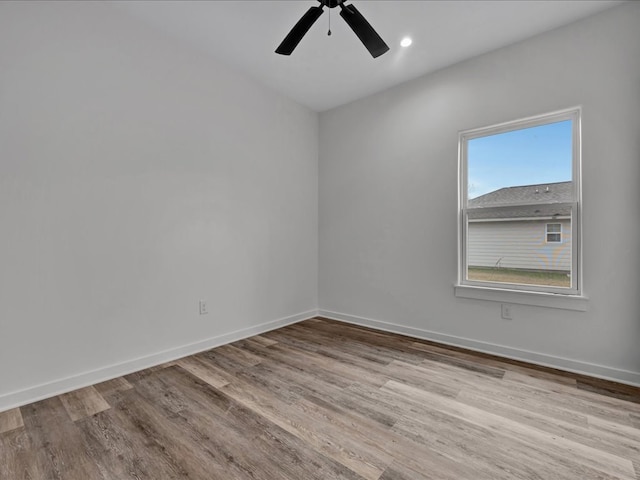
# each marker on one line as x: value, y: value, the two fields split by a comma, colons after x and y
x: 388, y: 199
x: 138, y: 176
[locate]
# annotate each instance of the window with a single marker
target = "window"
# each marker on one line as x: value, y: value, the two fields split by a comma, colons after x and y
x: 554, y: 233
x: 520, y: 205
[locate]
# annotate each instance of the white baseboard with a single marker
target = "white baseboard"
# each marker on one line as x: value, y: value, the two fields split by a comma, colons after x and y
x: 64, y: 385
x: 566, y: 364
x: 85, y: 379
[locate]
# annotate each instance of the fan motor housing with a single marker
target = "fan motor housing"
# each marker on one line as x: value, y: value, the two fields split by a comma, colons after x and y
x: 331, y: 3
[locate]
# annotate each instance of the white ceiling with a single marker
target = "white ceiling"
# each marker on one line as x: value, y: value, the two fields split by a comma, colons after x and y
x: 324, y: 72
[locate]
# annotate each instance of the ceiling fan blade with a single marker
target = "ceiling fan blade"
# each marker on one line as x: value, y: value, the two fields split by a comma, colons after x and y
x: 299, y: 30
x: 363, y: 30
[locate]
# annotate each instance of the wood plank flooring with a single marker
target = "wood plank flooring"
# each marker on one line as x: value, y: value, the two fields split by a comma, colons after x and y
x: 326, y: 400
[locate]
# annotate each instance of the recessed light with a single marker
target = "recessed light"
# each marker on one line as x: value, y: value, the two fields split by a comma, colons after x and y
x: 406, y: 41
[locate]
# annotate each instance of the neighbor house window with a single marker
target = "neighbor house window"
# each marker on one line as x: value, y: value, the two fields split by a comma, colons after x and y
x: 520, y: 205
x: 554, y: 233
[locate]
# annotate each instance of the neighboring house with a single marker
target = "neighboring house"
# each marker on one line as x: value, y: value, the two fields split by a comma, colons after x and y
x: 524, y: 227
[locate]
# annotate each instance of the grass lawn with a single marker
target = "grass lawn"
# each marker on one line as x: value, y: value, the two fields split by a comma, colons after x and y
x: 509, y: 275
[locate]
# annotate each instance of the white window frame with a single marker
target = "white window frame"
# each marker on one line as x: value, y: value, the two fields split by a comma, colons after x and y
x: 518, y: 293
x: 547, y: 233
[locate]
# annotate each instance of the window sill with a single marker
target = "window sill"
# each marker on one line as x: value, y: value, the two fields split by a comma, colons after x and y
x: 550, y: 300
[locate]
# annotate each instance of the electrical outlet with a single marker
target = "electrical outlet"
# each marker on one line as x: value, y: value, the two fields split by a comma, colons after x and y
x: 203, y: 307
x: 507, y: 311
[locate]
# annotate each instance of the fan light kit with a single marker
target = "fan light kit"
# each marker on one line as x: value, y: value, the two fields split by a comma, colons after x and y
x: 406, y: 41
x: 363, y: 29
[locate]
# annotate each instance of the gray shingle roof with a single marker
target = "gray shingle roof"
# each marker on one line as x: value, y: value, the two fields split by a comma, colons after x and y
x: 530, y: 201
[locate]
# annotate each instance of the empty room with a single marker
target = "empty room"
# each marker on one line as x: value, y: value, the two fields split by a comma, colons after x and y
x: 319, y: 239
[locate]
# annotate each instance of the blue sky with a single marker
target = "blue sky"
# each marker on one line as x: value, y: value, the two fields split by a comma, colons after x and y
x: 522, y: 157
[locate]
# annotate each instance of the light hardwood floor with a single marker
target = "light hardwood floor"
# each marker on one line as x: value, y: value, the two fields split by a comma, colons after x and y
x: 325, y: 400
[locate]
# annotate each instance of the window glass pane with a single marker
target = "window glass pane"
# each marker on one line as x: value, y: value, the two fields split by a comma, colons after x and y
x: 502, y: 252
x: 529, y: 156
x: 519, y: 206
x: 554, y: 237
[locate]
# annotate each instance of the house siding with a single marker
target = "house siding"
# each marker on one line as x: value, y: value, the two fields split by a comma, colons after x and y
x: 518, y: 244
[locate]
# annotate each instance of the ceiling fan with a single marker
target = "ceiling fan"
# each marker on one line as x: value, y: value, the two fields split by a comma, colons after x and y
x: 363, y: 29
